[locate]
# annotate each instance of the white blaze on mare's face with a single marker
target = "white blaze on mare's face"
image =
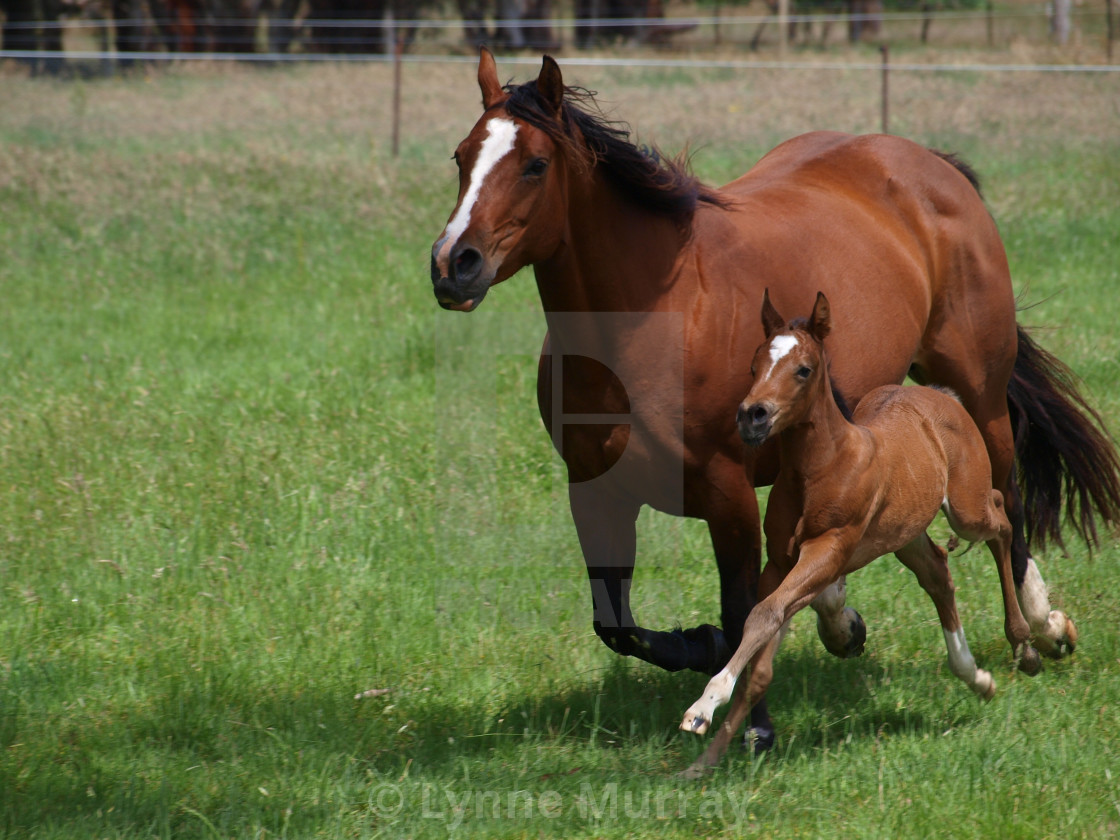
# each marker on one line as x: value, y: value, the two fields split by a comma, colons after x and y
x: 498, y: 143
x: 780, y: 347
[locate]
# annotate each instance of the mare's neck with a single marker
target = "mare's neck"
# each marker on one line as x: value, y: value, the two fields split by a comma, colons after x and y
x: 615, y: 256
x: 812, y: 446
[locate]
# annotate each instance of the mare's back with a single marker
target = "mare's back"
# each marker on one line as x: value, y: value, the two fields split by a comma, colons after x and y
x: 878, y: 167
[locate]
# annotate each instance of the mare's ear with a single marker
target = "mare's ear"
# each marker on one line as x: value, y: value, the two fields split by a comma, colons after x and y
x: 550, y: 84
x: 820, y: 324
x: 488, y: 79
x: 771, y: 320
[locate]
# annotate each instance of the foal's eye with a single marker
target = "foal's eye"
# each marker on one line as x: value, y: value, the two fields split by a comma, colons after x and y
x: 803, y: 372
x: 536, y: 167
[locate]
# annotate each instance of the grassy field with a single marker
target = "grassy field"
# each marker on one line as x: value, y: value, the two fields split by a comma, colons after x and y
x: 248, y: 470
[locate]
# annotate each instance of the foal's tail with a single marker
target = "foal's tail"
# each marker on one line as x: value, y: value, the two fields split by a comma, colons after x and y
x: 1062, y: 448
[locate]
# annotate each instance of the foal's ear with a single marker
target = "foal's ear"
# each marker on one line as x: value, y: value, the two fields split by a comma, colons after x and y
x: 771, y: 320
x: 488, y: 79
x: 550, y: 83
x: 820, y: 324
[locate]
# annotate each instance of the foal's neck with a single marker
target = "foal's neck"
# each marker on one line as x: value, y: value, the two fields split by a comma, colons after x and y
x: 813, y: 444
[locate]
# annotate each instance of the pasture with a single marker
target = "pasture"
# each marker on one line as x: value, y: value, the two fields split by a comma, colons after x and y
x: 249, y: 470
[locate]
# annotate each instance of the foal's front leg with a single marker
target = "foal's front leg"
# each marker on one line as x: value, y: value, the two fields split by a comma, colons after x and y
x: 820, y: 563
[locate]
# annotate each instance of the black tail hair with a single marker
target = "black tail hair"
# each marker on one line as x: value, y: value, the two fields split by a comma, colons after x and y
x: 1062, y: 448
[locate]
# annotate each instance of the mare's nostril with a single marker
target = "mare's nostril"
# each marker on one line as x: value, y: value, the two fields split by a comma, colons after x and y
x: 467, y: 265
x: 757, y: 415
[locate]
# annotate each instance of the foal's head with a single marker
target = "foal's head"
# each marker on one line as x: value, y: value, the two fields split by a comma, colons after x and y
x: 789, y: 371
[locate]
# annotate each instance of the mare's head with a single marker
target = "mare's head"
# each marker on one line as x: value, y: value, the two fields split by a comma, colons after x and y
x: 514, y: 171
x: 788, y: 371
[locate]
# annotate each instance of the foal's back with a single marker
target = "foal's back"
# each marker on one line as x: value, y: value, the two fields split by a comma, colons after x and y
x: 928, y: 454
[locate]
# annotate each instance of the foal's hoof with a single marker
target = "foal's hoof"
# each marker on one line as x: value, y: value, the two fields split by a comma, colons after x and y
x: 1030, y: 663
x: 848, y: 643
x: 984, y: 685
x: 759, y: 740
x: 694, y: 722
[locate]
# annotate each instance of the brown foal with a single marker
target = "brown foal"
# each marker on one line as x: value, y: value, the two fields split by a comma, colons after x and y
x: 846, y: 493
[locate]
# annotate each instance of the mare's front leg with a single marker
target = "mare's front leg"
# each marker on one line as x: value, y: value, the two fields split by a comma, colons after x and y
x: 605, y: 526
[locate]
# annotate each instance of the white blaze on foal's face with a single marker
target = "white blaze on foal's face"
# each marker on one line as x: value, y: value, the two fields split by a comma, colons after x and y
x: 500, y: 135
x: 780, y: 347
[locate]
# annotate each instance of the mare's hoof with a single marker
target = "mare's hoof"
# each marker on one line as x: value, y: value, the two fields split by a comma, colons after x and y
x: 708, y: 650
x: 1062, y: 643
x: 846, y: 645
x: 1030, y: 663
x: 759, y: 740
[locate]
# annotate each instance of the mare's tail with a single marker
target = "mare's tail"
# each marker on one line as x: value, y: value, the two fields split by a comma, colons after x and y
x: 1062, y: 449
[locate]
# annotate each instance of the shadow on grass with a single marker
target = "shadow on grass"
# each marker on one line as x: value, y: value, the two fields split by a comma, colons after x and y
x: 223, y: 755
x: 815, y: 701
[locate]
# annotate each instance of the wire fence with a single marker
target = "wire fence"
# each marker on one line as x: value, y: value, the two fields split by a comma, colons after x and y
x: 275, y: 39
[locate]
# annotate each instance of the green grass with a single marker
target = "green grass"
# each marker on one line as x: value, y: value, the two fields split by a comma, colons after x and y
x: 249, y: 470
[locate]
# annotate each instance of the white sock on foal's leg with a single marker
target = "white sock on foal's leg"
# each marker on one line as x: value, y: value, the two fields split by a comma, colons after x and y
x: 701, y: 713
x: 963, y: 665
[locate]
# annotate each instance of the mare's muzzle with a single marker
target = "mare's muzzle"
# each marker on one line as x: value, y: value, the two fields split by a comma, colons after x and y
x: 754, y: 422
x: 460, y: 279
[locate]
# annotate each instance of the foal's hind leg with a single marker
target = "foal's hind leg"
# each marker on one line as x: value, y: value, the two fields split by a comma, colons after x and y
x: 977, y: 513
x: 928, y: 563
x: 840, y: 628
x: 985, y: 398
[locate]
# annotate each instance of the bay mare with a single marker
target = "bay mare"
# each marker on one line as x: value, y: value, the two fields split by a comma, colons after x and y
x: 651, y: 283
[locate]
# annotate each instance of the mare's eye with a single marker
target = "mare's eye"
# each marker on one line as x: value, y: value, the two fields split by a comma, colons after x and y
x: 536, y: 167
x: 458, y: 161
x: 803, y: 372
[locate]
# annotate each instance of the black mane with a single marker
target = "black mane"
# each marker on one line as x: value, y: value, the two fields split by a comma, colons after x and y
x: 662, y: 185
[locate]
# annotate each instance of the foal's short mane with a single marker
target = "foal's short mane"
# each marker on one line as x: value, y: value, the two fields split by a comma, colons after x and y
x: 659, y: 184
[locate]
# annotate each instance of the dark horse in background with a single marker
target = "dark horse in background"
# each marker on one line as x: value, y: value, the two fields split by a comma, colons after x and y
x: 651, y: 284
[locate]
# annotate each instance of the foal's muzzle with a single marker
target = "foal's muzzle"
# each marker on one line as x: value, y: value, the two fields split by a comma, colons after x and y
x: 755, y: 422
x: 460, y: 279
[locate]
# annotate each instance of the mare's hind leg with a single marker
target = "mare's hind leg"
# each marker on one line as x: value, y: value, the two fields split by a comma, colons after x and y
x: 928, y: 563
x: 1054, y: 633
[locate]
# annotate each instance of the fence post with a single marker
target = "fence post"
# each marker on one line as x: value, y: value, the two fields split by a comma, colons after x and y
x: 398, y: 49
x: 783, y: 28
x: 885, y: 110
x: 1108, y: 29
